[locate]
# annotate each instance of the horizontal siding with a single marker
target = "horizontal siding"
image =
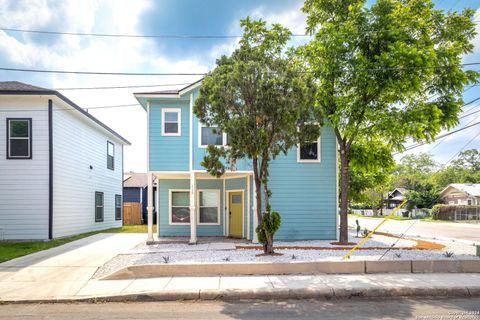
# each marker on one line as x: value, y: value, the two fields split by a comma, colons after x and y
x: 77, y: 145
x: 305, y: 193
x: 24, y: 183
x: 168, y: 153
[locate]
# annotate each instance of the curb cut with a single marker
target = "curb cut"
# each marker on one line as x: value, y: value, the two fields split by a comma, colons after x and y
x: 326, y: 293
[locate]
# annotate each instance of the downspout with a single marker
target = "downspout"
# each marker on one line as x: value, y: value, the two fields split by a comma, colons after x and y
x: 50, y: 169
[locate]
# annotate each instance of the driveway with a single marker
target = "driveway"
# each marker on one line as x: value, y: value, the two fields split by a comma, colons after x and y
x: 457, y: 231
x: 62, y: 271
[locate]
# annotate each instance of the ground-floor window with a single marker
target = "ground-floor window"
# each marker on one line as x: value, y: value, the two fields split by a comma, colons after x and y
x: 98, y: 206
x: 118, y: 207
x: 179, y: 207
x: 209, y: 207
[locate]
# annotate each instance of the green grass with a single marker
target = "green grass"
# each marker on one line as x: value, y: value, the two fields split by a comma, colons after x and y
x: 14, y: 249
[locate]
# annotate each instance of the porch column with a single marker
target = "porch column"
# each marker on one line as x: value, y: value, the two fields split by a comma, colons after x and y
x: 255, y: 218
x: 193, y: 208
x: 150, y: 207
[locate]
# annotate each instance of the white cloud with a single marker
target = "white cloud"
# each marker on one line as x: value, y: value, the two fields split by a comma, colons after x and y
x: 92, y: 54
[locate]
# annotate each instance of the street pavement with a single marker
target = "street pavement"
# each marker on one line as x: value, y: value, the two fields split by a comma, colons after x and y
x: 379, y: 308
x: 452, y: 230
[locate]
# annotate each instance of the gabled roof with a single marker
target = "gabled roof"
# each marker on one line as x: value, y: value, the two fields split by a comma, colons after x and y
x: 135, y: 180
x: 169, y: 92
x: 20, y: 88
x: 469, y: 189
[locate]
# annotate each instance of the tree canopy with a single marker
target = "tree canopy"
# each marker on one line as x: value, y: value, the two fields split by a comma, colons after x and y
x: 386, y: 73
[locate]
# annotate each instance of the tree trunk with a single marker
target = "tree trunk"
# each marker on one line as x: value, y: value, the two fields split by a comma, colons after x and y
x: 343, y: 239
x: 258, y: 194
x: 268, y: 246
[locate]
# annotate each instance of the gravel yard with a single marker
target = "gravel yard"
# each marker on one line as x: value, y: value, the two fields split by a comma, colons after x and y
x: 226, y: 252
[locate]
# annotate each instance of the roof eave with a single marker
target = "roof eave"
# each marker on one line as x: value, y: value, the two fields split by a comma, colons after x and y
x: 69, y: 102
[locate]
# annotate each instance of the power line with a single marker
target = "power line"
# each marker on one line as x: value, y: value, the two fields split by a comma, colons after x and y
x: 104, y: 73
x: 456, y: 154
x: 112, y: 35
x: 116, y: 35
x: 114, y: 106
x: 203, y: 74
x: 126, y: 87
x: 438, y: 137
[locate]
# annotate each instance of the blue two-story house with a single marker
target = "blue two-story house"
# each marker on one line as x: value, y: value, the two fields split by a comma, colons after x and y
x: 192, y: 203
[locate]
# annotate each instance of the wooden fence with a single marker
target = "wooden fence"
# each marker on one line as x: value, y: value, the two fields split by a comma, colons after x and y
x: 132, y: 213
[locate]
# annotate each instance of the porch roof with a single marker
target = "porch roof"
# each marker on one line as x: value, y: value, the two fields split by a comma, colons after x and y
x: 199, y: 174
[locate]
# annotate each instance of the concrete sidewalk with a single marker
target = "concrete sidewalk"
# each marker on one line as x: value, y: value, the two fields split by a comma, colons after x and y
x: 61, y: 271
x: 246, y: 287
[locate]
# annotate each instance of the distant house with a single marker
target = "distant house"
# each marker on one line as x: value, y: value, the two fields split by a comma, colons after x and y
x: 135, y: 190
x: 396, y: 197
x: 60, y: 168
x: 461, y: 194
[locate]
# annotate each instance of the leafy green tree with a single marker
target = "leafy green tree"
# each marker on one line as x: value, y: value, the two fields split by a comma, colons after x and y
x: 414, y: 171
x: 263, y: 100
x: 468, y: 159
x: 387, y: 72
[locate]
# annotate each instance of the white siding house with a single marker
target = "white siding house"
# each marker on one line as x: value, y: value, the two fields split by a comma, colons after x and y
x: 56, y: 160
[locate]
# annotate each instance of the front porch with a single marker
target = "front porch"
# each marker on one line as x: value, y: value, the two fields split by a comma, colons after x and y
x: 193, y: 205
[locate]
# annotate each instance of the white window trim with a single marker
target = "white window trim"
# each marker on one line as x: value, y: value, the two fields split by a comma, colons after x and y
x: 28, y: 138
x: 218, y: 207
x: 170, y: 191
x: 179, y: 112
x: 319, y: 154
x: 204, y: 146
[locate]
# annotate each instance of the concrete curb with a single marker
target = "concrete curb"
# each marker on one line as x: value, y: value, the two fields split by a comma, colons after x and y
x: 325, y: 267
x: 268, y: 294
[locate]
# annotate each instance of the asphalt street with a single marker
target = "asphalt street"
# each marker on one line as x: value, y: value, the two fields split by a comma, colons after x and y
x: 438, y: 308
x: 460, y: 231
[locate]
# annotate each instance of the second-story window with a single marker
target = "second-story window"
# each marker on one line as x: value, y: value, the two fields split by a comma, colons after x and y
x: 309, y: 152
x: 19, y: 138
x: 171, y: 122
x: 210, y: 135
x: 110, y: 155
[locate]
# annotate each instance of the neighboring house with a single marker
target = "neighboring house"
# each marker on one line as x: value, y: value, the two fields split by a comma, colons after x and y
x: 60, y: 168
x: 191, y: 202
x: 135, y: 190
x: 461, y: 194
x: 395, y: 198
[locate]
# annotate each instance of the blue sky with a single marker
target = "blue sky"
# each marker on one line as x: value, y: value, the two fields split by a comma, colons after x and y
x: 168, y: 17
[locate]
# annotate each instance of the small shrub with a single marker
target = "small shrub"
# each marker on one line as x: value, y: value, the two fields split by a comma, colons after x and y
x: 166, y: 259
x: 448, y: 254
x: 435, y: 211
x: 365, y: 233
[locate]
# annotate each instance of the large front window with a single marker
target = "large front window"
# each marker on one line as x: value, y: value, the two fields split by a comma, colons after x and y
x: 19, y: 138
x: 209, y: 207
x: 179, y: 207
